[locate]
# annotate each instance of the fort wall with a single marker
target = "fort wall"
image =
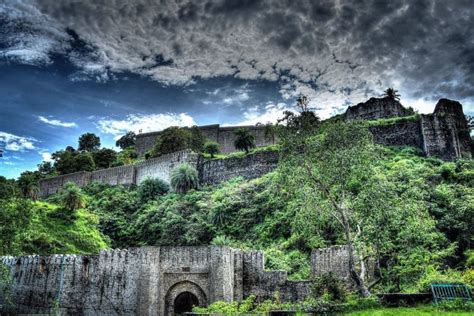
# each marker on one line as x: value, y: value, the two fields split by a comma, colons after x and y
x: 225, y: 136
x: 214, y: 171
x: 143, y: 281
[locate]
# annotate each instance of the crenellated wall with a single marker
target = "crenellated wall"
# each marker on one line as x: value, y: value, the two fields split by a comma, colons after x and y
x: 140, y: 281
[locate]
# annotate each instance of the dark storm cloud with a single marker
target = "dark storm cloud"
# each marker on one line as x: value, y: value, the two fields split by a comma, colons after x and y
x: 331, y: 50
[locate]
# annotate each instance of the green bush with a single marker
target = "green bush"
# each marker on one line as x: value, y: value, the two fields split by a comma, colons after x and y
x: 151, y: 189
x: 71, y: 197
x: 184, y: 178
x: 211, y: 148
x: 456, y: 305
x: 434, y: 275
x: 330, y: 286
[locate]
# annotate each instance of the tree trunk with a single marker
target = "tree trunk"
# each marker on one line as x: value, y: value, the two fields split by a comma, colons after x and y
x: 359, y: 282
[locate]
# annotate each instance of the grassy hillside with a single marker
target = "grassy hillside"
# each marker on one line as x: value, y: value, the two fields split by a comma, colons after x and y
x: 413, y: 214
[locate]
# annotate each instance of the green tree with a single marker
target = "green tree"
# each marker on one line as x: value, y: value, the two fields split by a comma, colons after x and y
x: 184, y: 178
x: 89, y: 142
x: 212, y: 148
x: 127, y: 140
x: 244, y: 140
x: 170, y: 140
x: 46, y: 168
x: 150, y: 189
x: 196, y: 139
x: 83, y: 161
x: 28, y: 184
x: 15, y: 216
x: 392, y: 94
x: 127, y: 156
x: 71, y: 197
x: 175, y: 138
x: 104, y: 158
x: 331, y: 164
x: 8, y: 188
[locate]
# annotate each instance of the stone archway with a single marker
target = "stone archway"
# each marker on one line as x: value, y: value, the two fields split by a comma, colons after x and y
x: 182, y: 296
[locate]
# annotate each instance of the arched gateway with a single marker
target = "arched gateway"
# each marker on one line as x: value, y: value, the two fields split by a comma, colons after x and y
x: 183, y: 296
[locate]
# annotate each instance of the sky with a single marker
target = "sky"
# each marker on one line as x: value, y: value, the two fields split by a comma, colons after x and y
x: 109, y: 66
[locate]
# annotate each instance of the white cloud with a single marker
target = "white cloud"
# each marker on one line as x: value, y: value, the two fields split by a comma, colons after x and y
x: 335, y: 50
x: 270, y: 113
x: 46, y: 156
x: 17, y: 143
x: 144, y: 123
x: 55, y: 122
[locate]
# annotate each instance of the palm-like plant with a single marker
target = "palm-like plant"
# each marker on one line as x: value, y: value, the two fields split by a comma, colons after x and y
x: 244, y: 140
x: 184, y: 178
x: 392, y: 94
x: 72, y: 198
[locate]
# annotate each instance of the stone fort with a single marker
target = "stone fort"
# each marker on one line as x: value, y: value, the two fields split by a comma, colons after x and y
x: 443, y: 134
x: 151, y: 280
x: 170, y: 280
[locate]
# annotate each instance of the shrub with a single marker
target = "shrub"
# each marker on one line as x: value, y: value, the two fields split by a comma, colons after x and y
x: 244, y: 140
x: 330, y: 286
x: 211, y: 148
x: 152, y: 188
x: 71, y: 197
x: 222, y: 241
x: 184, y: 178
x: 456, y: 305
x: 434, y: 275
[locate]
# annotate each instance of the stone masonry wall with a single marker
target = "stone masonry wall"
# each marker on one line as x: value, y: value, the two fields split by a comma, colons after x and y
x: 147, y: 280
x: 376, y: 108
x: 407, y: 133
x: 214, y: 171
x: 211, y: 171
x: 159, y: 167
x: 124, y: 175
x: 52, y: 185
x: 162, y: 166
x: 264, y: 284
x: 445, y: 132
x: 223, y: 135
x: 333, y: 259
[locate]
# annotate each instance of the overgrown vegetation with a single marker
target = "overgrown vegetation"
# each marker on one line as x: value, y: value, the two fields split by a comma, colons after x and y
x: 412, y: 215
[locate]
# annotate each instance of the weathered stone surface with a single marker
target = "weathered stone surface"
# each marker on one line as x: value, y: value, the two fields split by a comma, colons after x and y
x: 376, y: 108
x: 445, y: 132
x: 223, y: 135
x: 214, y: 171
x: 146, y: 280
x: 406, y: 133
x: 210, y: 171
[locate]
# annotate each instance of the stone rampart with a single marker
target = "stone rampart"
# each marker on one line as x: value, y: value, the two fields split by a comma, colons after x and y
x: 122, y: 175
x: 333, y: 259
x: 162, y: 166
x: 403, y: 133
x: 214, y: 171
x: 211, y: 171
x: 376, y: 108
x: 446, y: 133
x: 225, y: 136
x: 148, y: 280
x: 52, y: 185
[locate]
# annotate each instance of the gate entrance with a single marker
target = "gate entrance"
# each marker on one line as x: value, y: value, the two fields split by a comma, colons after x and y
x: 185, y: 302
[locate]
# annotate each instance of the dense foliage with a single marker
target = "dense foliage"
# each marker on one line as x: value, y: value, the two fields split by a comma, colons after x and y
x: 411, y: 214
x: 178, y: 138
